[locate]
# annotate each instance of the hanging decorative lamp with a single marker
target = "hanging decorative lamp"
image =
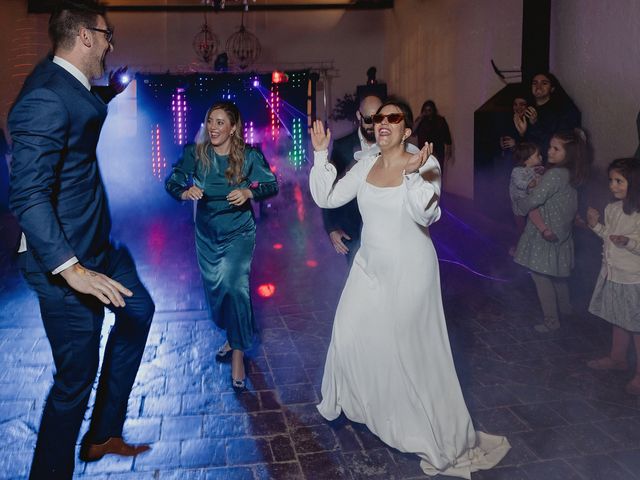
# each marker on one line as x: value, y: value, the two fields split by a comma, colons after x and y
x: 205, y: 43
x: 243, y: 47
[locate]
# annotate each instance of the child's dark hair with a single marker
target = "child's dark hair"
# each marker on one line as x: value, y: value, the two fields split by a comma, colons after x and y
x: 629, y: 168
x: 577, y: 157
x: 522, y: 152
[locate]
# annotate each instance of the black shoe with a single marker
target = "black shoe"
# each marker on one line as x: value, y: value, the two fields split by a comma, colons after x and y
x: 223, y: 355
x: 239, y: 386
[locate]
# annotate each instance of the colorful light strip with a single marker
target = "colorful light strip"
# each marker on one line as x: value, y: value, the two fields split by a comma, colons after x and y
x: 297, y: 155
x: 249, y: 134
x: 179, y: 112
x: 158, y: 162
x: 274, y: 104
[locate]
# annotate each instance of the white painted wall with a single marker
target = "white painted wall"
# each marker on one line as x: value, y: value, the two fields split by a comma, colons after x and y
x: 442, y: 49
x: 595, y: 52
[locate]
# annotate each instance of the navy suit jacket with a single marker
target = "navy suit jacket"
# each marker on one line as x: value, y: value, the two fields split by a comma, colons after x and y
x: 347, y: 217
x: 56, y: 190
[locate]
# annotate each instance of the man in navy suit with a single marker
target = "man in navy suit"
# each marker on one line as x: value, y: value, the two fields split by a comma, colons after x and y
x: 343, y: 224
x: 66, y: 254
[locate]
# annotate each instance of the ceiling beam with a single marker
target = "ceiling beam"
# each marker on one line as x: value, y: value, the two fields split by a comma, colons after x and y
x: 45, y: 6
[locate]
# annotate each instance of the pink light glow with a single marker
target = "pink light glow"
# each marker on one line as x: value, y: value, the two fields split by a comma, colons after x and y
x: 266, y: 290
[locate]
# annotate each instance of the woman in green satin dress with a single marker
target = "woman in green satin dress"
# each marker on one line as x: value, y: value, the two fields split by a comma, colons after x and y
x: 226, y: 174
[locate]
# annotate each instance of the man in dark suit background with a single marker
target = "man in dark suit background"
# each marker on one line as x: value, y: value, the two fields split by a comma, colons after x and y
x: 344, y: 224
x: 66, y: 254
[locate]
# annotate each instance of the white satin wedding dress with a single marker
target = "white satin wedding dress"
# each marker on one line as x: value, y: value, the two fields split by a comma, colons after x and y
x: 389, y: 364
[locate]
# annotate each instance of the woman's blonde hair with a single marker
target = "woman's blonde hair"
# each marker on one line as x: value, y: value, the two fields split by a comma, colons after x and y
x: 236, y: 153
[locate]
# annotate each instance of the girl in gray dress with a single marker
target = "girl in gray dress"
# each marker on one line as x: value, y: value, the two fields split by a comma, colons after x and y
x: 550, y: 263
x: 616, y: 296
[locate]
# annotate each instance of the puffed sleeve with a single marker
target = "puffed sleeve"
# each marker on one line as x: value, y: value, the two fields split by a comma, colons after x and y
x: 262, y: 181
x: 182, y: 172
x: 550, y: 183
x: 325, y: 193
x: 423, y: 192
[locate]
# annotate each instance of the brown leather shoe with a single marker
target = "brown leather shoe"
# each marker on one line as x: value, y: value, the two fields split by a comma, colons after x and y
x: 115, y: 445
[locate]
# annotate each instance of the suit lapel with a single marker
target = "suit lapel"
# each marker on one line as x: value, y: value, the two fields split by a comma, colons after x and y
x: 90, y: 97
x: 81, y: 90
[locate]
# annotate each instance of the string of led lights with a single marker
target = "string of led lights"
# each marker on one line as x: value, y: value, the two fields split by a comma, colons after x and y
x: 179, y: 112
x: 297, y: 155
x: 158, y: 162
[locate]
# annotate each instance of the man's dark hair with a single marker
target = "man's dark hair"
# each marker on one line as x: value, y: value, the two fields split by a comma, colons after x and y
x: 370, y: 94
x: 68, y: 17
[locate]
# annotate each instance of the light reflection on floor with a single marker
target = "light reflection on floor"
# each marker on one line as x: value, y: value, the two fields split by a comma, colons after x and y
x: 563, y: 421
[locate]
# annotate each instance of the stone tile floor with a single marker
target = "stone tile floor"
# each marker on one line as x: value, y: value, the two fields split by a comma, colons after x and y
x: 564, y: 421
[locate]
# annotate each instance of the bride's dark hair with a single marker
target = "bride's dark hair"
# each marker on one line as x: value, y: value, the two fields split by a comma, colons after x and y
x: 404, y: 108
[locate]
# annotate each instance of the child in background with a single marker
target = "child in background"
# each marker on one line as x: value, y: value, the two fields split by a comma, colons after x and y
x: 550, y: 263
x: 616, y: 297
x: 524, y: 176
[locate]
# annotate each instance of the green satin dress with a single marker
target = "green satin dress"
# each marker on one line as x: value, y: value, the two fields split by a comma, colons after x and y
x: 225, y: 235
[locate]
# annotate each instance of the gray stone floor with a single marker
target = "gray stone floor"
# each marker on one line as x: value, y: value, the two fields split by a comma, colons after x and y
x: 564, y: 421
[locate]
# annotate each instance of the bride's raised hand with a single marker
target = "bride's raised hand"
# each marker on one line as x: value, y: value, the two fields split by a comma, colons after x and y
x: 319, y: 138
x: 418, y: 159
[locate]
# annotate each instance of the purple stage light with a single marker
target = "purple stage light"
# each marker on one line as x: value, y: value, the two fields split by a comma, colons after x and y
x: 179, y: 110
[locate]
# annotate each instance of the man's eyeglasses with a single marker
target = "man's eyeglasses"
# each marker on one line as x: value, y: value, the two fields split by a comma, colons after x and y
x: 368, y: 120
x: 391, y: 117
x: 108, y: 33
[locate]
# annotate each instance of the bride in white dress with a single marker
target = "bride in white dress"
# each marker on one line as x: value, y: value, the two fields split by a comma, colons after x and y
x: 389, y: 364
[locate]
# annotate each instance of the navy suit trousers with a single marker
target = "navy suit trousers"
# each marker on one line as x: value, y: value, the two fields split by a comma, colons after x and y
x: 73, y: 323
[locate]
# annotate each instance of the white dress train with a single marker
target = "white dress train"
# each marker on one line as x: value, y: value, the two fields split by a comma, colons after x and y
x: 389, y: 364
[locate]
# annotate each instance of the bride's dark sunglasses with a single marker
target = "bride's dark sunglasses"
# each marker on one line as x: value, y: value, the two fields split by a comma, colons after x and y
x: 391, y: 117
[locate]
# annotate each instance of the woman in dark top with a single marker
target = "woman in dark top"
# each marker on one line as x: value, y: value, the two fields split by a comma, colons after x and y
x: 226, y: 174
x: 433, y: 128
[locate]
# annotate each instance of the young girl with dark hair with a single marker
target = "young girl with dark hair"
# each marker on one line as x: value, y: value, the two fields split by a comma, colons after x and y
x: 616, y: 296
